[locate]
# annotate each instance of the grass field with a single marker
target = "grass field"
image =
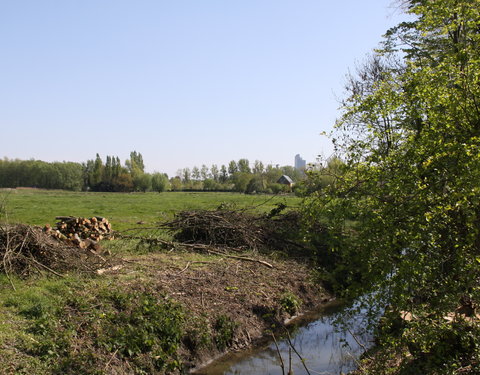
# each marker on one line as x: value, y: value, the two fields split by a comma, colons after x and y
x: 124, y: 210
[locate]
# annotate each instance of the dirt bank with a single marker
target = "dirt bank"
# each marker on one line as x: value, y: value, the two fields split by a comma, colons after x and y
x: 250, y: 294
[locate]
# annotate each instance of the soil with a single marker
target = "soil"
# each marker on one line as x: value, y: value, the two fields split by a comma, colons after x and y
x: 248, y: 292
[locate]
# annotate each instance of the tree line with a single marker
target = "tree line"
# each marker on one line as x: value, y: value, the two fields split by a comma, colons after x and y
x: 110, y: 175
x: 239, y: 176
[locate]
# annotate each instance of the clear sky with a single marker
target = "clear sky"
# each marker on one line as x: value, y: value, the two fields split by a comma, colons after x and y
x: 184, y: 82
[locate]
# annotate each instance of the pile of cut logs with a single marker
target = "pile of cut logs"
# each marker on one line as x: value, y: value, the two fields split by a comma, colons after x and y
x: 81, y: 231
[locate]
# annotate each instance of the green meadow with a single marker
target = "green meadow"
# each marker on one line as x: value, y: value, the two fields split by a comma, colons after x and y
x: 125, y: 210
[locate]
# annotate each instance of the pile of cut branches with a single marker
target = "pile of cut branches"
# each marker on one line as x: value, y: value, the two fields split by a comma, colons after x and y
x: 236, y: 230
x: 232, y: 229
x: 25, y: 250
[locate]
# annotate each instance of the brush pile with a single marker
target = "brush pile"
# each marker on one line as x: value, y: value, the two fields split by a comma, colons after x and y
x: 236, y: 230
x: 78, y: 229
x: 25, y: 250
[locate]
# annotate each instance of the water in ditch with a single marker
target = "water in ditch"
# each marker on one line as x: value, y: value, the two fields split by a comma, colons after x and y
x: 323, y: 348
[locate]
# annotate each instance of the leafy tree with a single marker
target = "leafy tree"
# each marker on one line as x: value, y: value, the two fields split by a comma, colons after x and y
x: 240, y: 181
x: 196, y: 173
x: 123, y: 182
x: 214, y: 172
x: 272, y: 174
x: 258, y: 167
x: 135, y: 164
x: 176, y: 183
x: 209, y: 184
x: 257, y: 184
x: 160, y: 182
x: 186, y: 174
x: 321, y: 176
x: 403, y: 218
x: 232, y: 167
x: 223, y: 174
x: 97, y: 173
x: 244, y: 166
x: 142, y: 182
x: 204, y: 172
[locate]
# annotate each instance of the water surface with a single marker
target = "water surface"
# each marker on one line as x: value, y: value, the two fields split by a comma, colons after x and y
x: 324, y: 348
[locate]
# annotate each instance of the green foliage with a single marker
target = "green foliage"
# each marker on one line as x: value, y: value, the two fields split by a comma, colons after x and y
x: 144, y: 327
x: 403, y: 217
x: 290, y: 303
x: 241, y: 181
x: 224, y: 329
x: 198, y: 334
x: 36, y: 173
x: 142, y: 182
x: 256, y: 184
x: 160, y: 182
x: 141, y: 324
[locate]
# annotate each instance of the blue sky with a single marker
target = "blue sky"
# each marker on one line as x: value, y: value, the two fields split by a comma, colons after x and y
x: 184, y: 82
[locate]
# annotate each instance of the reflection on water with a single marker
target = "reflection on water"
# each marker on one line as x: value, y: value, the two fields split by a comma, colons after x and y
x: 325, y: 351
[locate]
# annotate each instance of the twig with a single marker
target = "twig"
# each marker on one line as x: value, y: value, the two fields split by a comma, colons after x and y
x: 47, y: 268
x: 183, y: 270
x: 356, y: 340
x: 241, y: 258
x: 282, y: 364
x: 290, y: 372
x: 297, y: 353
x: 7, y: 247
x: 110, y: 360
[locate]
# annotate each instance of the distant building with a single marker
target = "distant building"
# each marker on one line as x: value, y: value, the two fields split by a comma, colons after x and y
x: 285, y: 180
x: 300, y: 163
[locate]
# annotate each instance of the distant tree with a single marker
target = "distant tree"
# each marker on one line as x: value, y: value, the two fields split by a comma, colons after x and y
x: 160, y: 182
x: 135, y: 163
x: 244, y: 166
x: 209, y: 184
x: 214, y: 172
x: 257, y: 184
x: 186, y: 174
x: 223, y: 174
x: 232, y: 167
x: 123, y: 182
x: 116, y: 167
x: 88, y: 174
x: 196, y: 173
x: 176, y: 183
x: 240, y: 181
x: 97, y: 173
x: 204, y: 172
x: 108, y: 173
x: 258, y: 167
x: 272, y: 174
x: 142, y: 182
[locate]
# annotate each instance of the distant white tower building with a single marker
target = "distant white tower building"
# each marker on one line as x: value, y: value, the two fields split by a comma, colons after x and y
x: 300, y: 163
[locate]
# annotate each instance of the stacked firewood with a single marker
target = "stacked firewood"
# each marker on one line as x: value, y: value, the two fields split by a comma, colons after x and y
x: 83, y: 232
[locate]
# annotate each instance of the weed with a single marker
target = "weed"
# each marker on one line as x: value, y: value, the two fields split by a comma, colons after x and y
x: 224, y: 331
x: 198, y: 334
x: 140, y: 324
x: 290, y: 303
